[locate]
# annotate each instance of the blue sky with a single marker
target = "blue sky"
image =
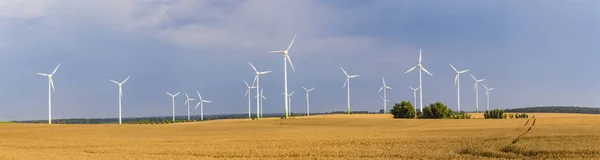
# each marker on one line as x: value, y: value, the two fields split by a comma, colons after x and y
x: 532, y: 52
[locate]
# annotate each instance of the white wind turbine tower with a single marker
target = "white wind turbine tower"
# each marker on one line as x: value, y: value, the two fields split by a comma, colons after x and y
x: 384, y: 88
x: 457, y: 82
x: 173, y: 99
x: 348, y: 84
x: 290, y: 103
x: 421, y: 68
x: 120, y: 94
x: 414, y: 94
x: 307, y: 100
x: 261, y: 101
x: 248, y: 88
x: 487, y: 94
x: 286, y: 57
x: 187, y: 101
x: 201, y: 104
x: 476, y: 86
x: 50, y: 88
x: 256, y: 79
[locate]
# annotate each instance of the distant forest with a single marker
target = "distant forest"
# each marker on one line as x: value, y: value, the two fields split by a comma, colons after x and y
x: 556, y: 109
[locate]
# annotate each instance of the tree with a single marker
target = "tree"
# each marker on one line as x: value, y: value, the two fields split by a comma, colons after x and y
x: 403, y: 110
x: 381, y: 111
x: 436, y: 110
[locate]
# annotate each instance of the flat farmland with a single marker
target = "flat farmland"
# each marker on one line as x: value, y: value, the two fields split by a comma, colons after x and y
x: 555, y: 136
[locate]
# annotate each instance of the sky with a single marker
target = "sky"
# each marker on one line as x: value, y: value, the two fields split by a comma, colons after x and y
x: 532, y: 52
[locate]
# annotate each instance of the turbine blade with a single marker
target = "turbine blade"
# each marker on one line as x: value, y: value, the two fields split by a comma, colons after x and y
x: 345, y: 82
x: 411, y: 88
x: 208, y: 101
x: 486, y: 88
x: 464, y: 71
x: 311, y: 89
x: 114, y: 81
x: 254, y: 81
x: 247, y: 91
x: 197, y: 105
x: 52, y: 84
x: 246, y: 84
x: 291, y: 43
x: 169, y: 94
x: 413, y: 68
x: 186, y: 96
x: 176, y: 94
x: 43, y: 74
x: 252, y: 67
x: 380, y: 89
x: 55, y: 69
x: 418, y: 88
x: 290, y: 61
x: 481, y: 80
x: 453, y: 67
x: 383, y: 79
x: 388, y: 87
x: 475, y: 86
x: 473, y: 77
x: 419, y: 55
x: 275, y: 52
x: 265, y: 72
x: 292, y: 93
x: 426, y: 71
x: 344, y: 71
x: 354, y: 76
x: 455, y: 79
x: 304, y: 88
x: 125, y: 80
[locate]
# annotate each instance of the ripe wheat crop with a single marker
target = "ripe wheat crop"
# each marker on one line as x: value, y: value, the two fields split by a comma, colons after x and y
x: 555, y: 136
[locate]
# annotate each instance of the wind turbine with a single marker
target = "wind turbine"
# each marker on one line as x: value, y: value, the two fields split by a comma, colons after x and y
x: 476, y: 86
x: 286, y: 57
x: 187, y: 101
x: 50, y: 86
x: 421, y: 68
x: 256, y: 79
x: 487, y: 94
x: 200, y: 103
x: 384, y: 102
x: 384, y: 88
x: 248, y: 88
x: 173, y: 99
x: 307, y: 100
x: 120, y: 94
x: 414, y: 94
x: 290, y: 102
x: 457, y: 82
x: 261, y: 101
x: 348, y: 82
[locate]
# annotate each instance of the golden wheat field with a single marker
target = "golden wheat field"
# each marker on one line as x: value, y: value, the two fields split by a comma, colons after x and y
x: 554, y: 136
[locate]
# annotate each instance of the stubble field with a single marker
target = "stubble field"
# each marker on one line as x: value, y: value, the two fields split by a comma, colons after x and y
x: 555, y: 136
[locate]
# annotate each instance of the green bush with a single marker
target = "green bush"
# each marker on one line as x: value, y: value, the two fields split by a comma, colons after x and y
x: 403, y: 110
x: 494, y: 114
x: 511, y: 116
x: 436, y: 110
x: 522, y: 115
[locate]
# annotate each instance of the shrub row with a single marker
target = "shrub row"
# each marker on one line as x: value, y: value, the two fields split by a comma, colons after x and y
x: 436, y: 110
